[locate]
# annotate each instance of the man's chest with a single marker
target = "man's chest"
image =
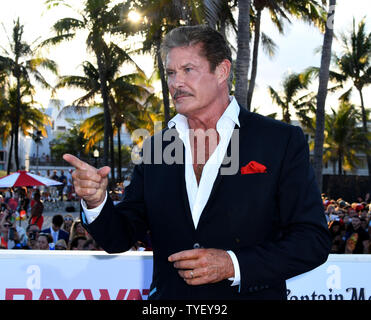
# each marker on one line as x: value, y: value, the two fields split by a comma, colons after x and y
x: 203, y: 144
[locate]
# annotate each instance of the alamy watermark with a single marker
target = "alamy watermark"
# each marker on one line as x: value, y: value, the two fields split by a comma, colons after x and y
x: 167, y: 147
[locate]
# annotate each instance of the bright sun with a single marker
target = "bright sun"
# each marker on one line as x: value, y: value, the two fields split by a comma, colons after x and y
x: 134, y: 16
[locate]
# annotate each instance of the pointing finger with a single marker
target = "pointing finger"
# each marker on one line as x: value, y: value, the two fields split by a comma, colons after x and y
x: 76, y: 162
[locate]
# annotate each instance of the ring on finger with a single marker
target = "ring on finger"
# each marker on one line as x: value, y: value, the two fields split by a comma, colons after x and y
x: 192, y: 274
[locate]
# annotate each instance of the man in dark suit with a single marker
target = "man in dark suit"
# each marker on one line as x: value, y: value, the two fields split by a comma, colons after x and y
x: 228, y: 196
x: 55, y: 229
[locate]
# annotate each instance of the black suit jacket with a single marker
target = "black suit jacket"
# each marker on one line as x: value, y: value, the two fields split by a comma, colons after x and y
x: 274, y: 222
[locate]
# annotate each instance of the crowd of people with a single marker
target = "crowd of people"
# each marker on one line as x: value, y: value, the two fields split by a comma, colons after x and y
x: 349, y: 223
x: 23, y: 224
x: 30, y: 230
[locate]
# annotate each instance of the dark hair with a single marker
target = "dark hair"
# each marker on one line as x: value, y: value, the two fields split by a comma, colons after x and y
x: 214, y: 47
x: 48, y: 236
x: 57, y: 220
x: 75, y: 241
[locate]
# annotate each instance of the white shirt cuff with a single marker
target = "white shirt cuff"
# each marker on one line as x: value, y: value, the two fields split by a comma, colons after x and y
x: 92, y: 214
x: 237, y: 275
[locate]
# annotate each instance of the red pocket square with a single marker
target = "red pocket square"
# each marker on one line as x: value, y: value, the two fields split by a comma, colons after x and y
x: 253, y: 167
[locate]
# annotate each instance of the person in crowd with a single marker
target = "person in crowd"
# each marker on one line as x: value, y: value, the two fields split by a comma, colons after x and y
x: 8, y: 194
x: 357, y: 239
x: 61, y: 245
x: 54, y: 189
x: 55, y: 229
x: 32, y: 232
x: 337, y: 231
x: 77, y: 243
x: 77, y: 230
x: 54, y: 176
x: 24, y: 201
x: 67, y: 222
x: 63, y: 180
x: 12, y: 236
x: 44, y: 241
x: 4, y: 233
x: 91, y: 244
x: 37, y: 212
x: 13, y: 202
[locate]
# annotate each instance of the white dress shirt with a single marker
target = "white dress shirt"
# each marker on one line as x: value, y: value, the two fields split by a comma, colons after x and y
x: 198, y: 194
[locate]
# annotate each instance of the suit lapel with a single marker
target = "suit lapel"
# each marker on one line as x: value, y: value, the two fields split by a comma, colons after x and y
x: 181, y: 177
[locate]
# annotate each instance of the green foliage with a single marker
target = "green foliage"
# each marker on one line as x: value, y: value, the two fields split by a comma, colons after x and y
x: 344, y: 138
x: 71, y: 141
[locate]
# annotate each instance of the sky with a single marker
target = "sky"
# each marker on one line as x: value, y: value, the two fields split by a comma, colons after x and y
x: 296, y: 49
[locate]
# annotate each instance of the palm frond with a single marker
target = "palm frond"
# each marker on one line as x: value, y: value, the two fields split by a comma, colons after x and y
x: 57, y: 40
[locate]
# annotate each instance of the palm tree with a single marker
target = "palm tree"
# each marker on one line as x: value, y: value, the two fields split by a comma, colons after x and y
x: 22, y: 61
x: 123, y: 92
x: 291, y: 87
x: 31, y: 118
x: 100, y: 18
x: 243, y: 51
x: 128, y: 94
x: 130, y: 113
x: 309, y: 11
x: 322, y: 93
x: 218, y: 14
x: 6, y: 113
x: 344, y: 138
x: 355, y: 65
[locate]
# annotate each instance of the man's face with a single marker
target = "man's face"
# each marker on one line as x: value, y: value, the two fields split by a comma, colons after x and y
x: 356, y: 222
x: 33, y: 229
x: 43, y: 243
x: 191, y: 83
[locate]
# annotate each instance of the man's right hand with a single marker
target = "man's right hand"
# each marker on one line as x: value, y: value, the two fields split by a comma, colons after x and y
x: 90, y: 183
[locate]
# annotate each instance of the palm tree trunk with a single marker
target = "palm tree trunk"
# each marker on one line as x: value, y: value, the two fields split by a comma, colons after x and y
x: 10, y: 152
x: 243, y: 51
x: 286, y: 117
x: 165, y: 88
x: 119, y: 152
x: 340, y: 163
x: 333, y: 167
x: 254, y: 66
x: 16, y: 124
x: 365, y: 129
x: 322, y: 95
x: 106, y: 111
x: 112, y: 154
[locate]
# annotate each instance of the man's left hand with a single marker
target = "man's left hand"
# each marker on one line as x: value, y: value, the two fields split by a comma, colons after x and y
x: 201, y: 266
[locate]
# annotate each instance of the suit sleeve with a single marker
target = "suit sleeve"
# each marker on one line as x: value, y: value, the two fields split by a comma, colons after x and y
x: 117, y: 228
x: 304, y: 240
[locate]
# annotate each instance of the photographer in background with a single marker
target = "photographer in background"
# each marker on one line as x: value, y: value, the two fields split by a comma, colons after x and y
x: 32, y: 233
